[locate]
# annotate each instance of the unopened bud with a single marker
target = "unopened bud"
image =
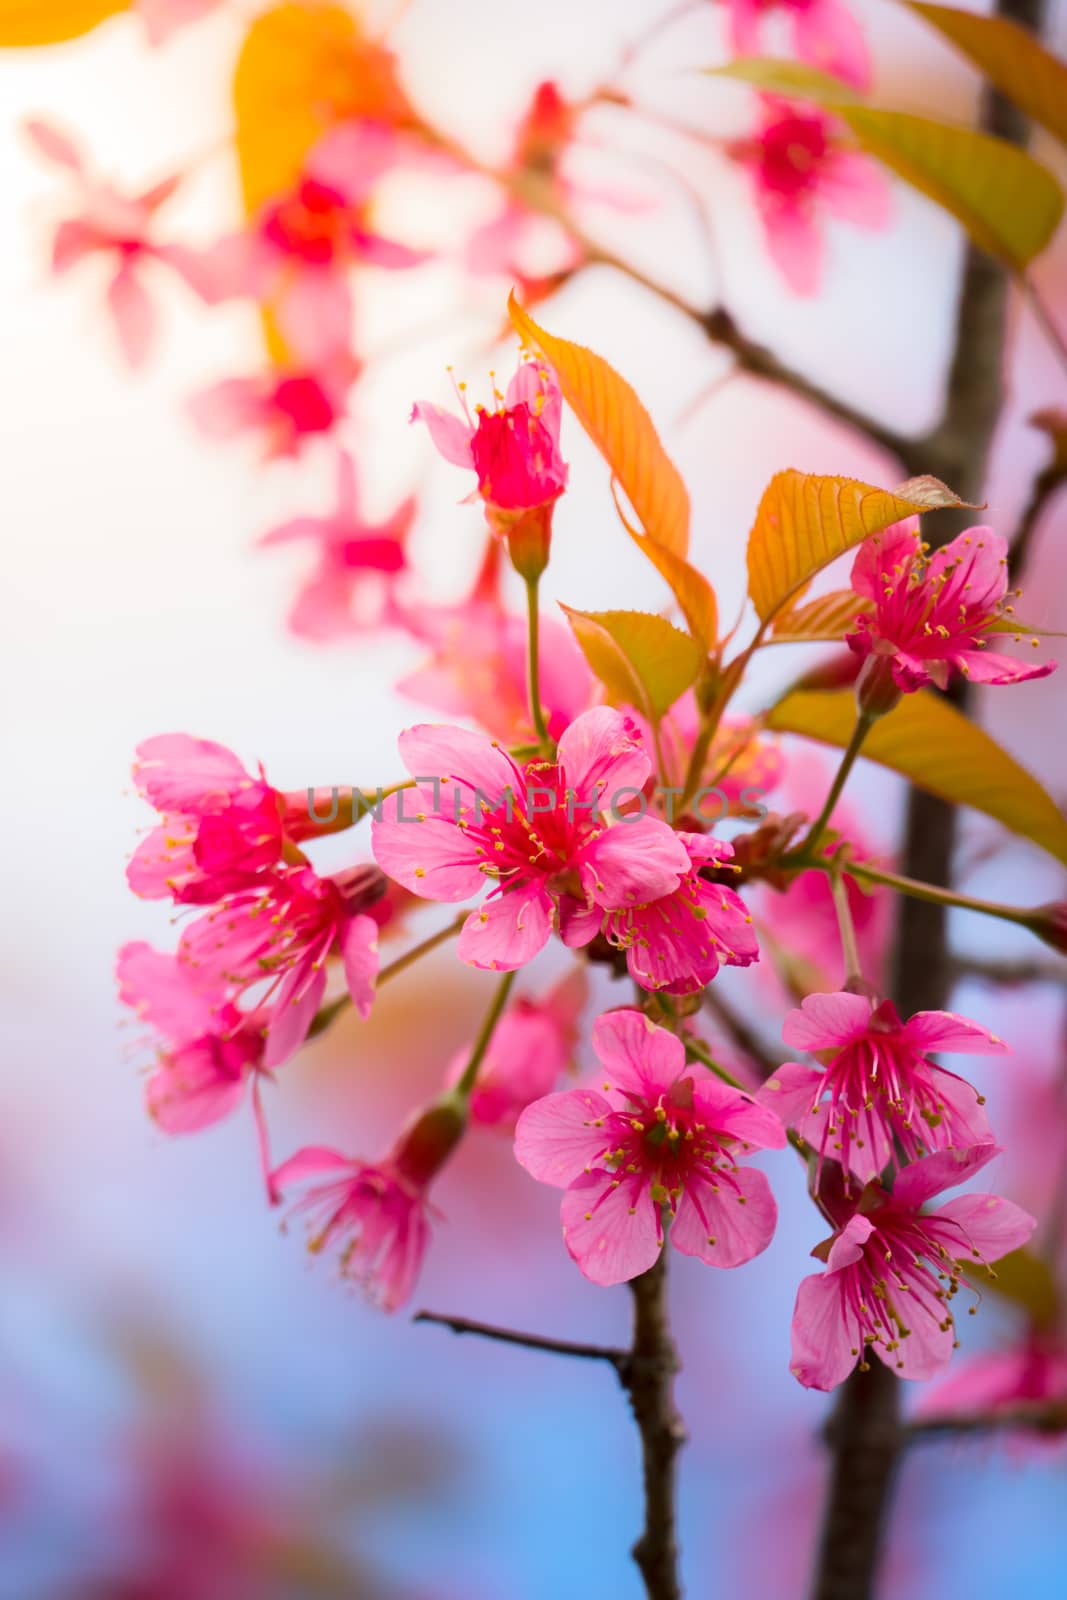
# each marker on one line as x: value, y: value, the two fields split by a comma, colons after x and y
x: 527, y: 534
x: 429, y: 1139
x: 1050, y: 924
x: 877, y: 691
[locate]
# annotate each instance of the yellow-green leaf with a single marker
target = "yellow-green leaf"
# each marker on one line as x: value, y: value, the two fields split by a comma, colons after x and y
x: 1010, y: 57
x: 690, y: 588
x: 822, y: 621
x: 936, y: 748
x: 34, y: 22
x: 1009, y: 203
x: 1026, y: 1280
x: 803, y: 522
x: 640, y: 658
x: 303, y: 67
x: 620, y: 427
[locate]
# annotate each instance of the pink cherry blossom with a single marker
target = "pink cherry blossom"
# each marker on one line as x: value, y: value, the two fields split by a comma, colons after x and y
x: 678, y: 941
x: 298, y: 251
x: 118, y: 226
x: 798, y: 167
x: 164, y: 18
x: 273, y: 941
x: 532, y: 1046
x: 935, y: 613
x: 893, y: 1270
x: 659, y: 1137
x: 358, y: 566
x: 825, y: 34
x: 221, y: 827
x: 286, y: 406
x: 378, y: 1212
x: 534, y: 831
x: 477, y: 666
x: 877, y: 1085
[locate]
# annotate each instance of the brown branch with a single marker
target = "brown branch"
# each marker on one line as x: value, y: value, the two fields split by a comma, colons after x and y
x: 1008, y: 973
x: 646, y: 1372
x: 1044, y: 487
x: 1035, y: 1416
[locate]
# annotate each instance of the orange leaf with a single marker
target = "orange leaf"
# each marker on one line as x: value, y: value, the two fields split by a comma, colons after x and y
x: 822, y: 621
x: 690, y: 588
x: 34, y: 22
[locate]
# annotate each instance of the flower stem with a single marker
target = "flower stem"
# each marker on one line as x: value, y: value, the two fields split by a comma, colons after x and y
x: 328, y: 1014
x: 852, y: 750
x: 845, y: 925
x: 533, y: 664
x: 931, y: 892
x: 481, y: 1044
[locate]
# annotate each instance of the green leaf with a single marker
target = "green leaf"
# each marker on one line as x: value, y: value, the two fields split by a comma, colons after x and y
x: 1009, y: 203
x: 640, y: 658
x: 803, y: 522
x: 1010, y: 57
x: 1026, y: 1280
x: 936, y: 748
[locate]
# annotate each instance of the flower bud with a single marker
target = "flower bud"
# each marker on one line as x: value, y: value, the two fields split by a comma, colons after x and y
x: 877, y: 691
x: 1050, y: 924
x: 429, y: 1139
x: 527, y: 534
x: 361, y: 886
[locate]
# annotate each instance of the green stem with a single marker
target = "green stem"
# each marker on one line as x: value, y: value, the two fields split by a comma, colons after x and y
x: 329, y: 1013
x: 852, y: 750
x: 695, y: 1048
x: 846, y: 926
x: 931, y: 892
x: 481, y: 1044
x: 533, y: 664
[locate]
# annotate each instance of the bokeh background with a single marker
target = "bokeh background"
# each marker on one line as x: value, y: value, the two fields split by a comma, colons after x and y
x: 169, y: 1360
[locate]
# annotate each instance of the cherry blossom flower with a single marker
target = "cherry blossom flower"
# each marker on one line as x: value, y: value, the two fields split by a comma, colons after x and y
x: 825, y: 34
x: 877, y: 1084
x: 893, y: 1270
x: 532, y: 1046
x: 935, y: 613
x: 359, y: 563
x: 297, y: 252
x: 514, y: 450
x: 287, y: 406
x: 221, y: 827
x: 378, y: 1213
x: 798, y: 167
x: 678, y: 941
x: 477, y: 666
x: 118, y: 226
x: 661, y: 1137
x: 164, y: 18
x: 208, y: 1050
x: 279, y: 935
x: 534, y: 831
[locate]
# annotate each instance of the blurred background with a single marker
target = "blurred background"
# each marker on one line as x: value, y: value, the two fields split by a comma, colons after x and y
x: 189, y: 1405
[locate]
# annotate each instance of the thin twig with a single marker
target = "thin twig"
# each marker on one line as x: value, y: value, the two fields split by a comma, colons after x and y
x: 616, y: 1358
x: 1035, y: 1416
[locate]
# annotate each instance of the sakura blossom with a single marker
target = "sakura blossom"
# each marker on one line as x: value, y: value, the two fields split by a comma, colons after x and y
x: 532, y: 1047
x: 932, y: 614
x: 120, y: 227
x: 286, y: 407
x: 877, y: 1088
x: 798, y: 168
x: 658, y: 1145
x: 358, y: 563
x: 534, y: 830
x: 377, y: 1213
x: 825, y: 35
x: 893, y: 1271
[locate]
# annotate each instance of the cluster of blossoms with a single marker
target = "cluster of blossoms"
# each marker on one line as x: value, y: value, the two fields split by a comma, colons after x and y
x: 542, y: 809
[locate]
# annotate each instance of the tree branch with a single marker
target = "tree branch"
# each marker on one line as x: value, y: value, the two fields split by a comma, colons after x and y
x: 615, y: 1357
x: 1035, y: 1416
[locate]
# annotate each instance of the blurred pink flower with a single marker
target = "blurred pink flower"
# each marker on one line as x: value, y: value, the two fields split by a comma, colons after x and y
x: 287, y: 406
x: 164, y: 18
x: 877, y: 1087
x: 279, y: 934
x: 677, y: 942
x: 534, y: 831
x: 661, y: 1134
x: 532, y: 1046
x: 893, y: 1270
x: 1032, y: 1372
x: 296, y: 255
x: 825, y: 34
x: 378, y: 1212
x: 359, y: 563
x: 797, y: 167
x: 933, y: 613
x: 116, y: 225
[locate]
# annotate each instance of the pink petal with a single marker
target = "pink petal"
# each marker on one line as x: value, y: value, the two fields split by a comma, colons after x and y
x: 159, y: 989
x: 161, y: 861
x: 791, y: 1091
x: 990, y: 666
x: 847, y: 1247
x: 926, y: 1350
x: 178, y: 773
x: 53, y: 144
x: 451, y: 435
x: 742, y: 1116
x: 228, y: 408
x: 631, y: 863
x: 738, y: 1213
x: 507, y: 931
x: 826, y: 1021
x: 162, y: 18
x: 432, y: 858
x: 315, y: 315
x: 611, y: 1228
x: 601, y: 755
x: 828, y: 36
x: 639, y: 1060
x: 134, y: 315
x: 855, y: 190
x: 309, y: 1163
x: 992, y: 1226
x: 192, y: 1092
x: 317, y: 528
x: 826, y: 1336
x: 943, y: 1030
x: 556, y: 1138
x: 359, y: 951
x: 455, y: 755
x: 794, y: 244
x: 352, y: 156
x: 293, y: 1012
x: 879, y: 557
x: 920, y: 1181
